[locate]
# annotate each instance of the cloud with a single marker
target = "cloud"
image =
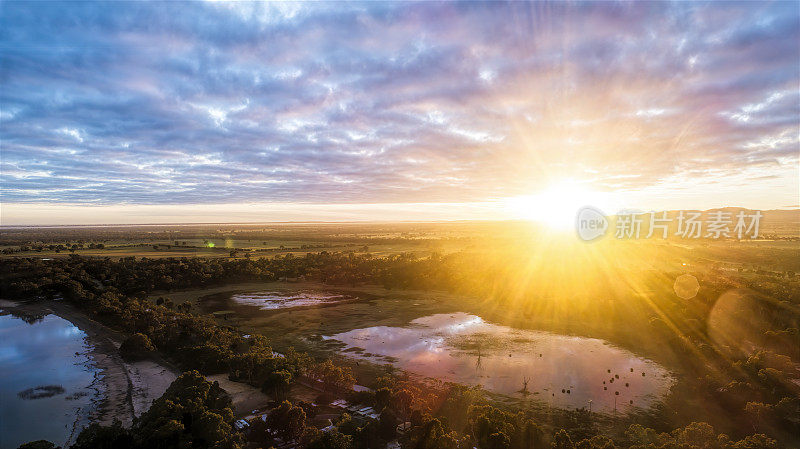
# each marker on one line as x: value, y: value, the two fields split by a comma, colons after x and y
x: 176, y: 103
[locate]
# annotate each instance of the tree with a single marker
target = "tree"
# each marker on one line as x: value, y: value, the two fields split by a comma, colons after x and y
x: 697, y: 434
x: 332, y: 440
x: 434, y: 435
x: 561, y: 440
x: 99, y: 437
x: 287, y: 421
x: 387, y: 425
x: 499, y: 440
x: 401, y: 402
x: 346, y: 424
x: 279, y: 383
x: 332, y: 376
x: 759, y: 411
x: 757, y: 441
x: 596, y: 442
x: 532, y: 436
x: 367, y: 437
x: 192, y: 412
x: 39, y: 444
x: 382, y: 397
x: 642, y: 436
x: 136, y: 347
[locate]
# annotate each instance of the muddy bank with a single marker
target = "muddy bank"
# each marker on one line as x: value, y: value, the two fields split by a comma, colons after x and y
x: 132, y: 387
x: 128, y: 388
x: 122, y: 390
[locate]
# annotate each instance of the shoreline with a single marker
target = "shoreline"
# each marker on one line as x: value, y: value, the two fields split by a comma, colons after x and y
x: 135, y: 385
x: 440, y: 301
x: 129, y: 387
x: 124, y: 390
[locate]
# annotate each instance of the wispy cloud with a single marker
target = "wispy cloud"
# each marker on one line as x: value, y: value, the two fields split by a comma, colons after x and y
x: 185, y: 103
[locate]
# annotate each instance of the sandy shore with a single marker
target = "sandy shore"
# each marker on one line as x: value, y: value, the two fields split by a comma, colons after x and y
x: 130, y: 388
x: 126, y: 390
x: 122, y: 390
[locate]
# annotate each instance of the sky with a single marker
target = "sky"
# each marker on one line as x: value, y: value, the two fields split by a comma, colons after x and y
x: 145, y: 112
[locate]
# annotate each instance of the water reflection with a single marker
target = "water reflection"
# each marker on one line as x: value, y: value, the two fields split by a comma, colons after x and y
x: 45, y: 380
x: 465, y: 349
x: 271, y: 300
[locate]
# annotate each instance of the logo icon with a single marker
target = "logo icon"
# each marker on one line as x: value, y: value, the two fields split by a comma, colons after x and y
x: 591, y: 223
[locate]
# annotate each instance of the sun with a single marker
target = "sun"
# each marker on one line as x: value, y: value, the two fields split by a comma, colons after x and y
x: 556, y: 206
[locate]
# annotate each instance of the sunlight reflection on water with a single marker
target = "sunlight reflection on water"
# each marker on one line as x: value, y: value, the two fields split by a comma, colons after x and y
x: 271, y: 300
x: 50, y: 351
x: 464, y: 348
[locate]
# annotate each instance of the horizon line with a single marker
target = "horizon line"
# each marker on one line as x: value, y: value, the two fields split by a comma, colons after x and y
x: 332, y: 222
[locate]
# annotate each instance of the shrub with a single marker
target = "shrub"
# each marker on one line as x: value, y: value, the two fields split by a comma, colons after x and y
x: 136, y: 347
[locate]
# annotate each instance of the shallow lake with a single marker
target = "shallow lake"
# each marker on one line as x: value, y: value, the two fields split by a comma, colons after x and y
x: 561, y: 371
x: 271, y: 300
x: 46, y: 380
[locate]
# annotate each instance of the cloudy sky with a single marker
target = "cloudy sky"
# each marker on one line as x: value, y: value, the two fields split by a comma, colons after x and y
x: 167, y: 111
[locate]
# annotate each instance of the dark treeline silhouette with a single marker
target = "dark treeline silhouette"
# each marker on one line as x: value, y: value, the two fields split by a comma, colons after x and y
x: 310, y: 232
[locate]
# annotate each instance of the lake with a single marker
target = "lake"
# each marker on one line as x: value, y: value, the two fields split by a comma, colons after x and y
x: 561, y: 371
x: 271, y: 300
x: 46, y: 380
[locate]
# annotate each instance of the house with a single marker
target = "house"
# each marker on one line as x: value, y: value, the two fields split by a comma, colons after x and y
x: 241, y: 424
x: 341, y: 403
